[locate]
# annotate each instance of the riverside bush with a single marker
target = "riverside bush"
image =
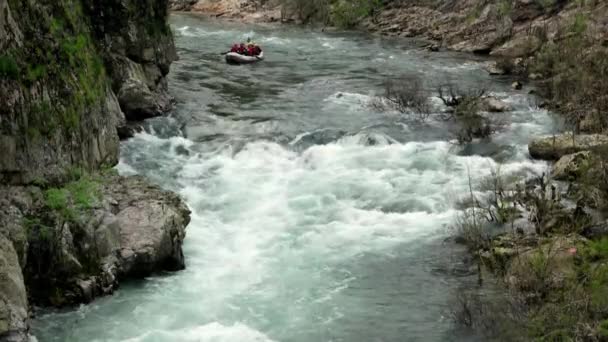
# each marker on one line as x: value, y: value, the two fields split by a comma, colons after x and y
x: 8, y: 67
x: 577, y: 71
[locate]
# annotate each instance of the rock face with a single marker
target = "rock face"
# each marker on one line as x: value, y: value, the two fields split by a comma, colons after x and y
x: 129, y: 229
x: 138, y: 52
x: 181, y: 5
x: 70, y: 76
x: 13, y: 298
x: 552, y: 148
x: 242, y: 10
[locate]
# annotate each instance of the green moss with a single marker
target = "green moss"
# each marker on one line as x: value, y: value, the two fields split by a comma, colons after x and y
x: 603, y: 329
x: 579, y: 25
x: 505, y: 8
x: 84, y: 192
x: 596, y: 250
x: 56, y: 199
x: 35, y: 73
x: 8, y: 67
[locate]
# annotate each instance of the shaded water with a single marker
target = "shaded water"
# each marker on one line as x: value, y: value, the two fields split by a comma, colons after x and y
x: 315, y: 217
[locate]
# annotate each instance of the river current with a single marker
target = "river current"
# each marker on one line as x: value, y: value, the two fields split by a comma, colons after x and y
x: 315, y: 217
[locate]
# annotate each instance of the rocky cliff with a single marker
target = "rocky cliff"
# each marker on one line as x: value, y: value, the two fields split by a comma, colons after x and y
x: 73, y: 73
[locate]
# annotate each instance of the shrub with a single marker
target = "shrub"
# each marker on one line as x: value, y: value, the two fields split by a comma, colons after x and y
x: 8, y: 67
x: 348, y: 13
x: 36, y: 73
x: 406, y: 95
x: 577, y: 71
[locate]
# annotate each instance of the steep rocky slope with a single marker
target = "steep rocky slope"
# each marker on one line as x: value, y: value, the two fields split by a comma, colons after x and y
x: 72, y: 74
x: 70, y: 70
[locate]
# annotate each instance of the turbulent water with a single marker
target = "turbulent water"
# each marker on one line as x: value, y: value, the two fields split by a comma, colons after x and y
x: 315, y: 217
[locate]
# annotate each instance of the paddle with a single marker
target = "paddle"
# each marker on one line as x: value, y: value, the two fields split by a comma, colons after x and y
x: 225, y: 53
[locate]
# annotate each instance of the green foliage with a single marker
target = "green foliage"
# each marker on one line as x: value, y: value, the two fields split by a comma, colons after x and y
x: 76, y: 196
x: 505, y: 8
x: 474, y: 14
x: 348, y: 13
x: 603, y: 329
x: 596, y: 250
x: 84, y: 192
x: 579, y: 25
x: 56, y: 199
x: 8, y: 67
x: 577, y: 71
x: 35, y: 73
x: 545, y: 4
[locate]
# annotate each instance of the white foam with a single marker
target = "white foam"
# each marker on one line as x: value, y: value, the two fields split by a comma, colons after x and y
x: 212, y: 332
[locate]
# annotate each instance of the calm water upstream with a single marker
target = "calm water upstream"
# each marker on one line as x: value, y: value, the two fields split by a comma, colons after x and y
x: 315, y: 218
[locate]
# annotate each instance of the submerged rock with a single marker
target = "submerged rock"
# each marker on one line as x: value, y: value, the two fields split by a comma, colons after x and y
x: 494, y: 70
x: 552, y: 148
x: 517, y: 85
x: 494, y: 105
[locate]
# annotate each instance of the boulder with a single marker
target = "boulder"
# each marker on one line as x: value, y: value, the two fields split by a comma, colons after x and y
x: 552, y: 148
x: 138, y: 101
x: 596, y: 231
x: 151, y: 223
x: 494, y: 105
x: 494, y: 70
x: 13, y: 298
x: 571, y: 166
x: 523, y: 45
x: 517, y: 85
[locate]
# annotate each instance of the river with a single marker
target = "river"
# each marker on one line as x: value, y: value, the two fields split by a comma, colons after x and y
x: 315, y: 217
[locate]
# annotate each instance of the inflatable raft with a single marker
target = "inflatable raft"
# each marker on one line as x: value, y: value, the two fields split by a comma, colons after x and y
x: 236, y: 58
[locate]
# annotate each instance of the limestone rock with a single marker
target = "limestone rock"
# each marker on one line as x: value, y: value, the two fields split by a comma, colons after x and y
x: 494, y: 105
x: 151, y: 223
x: 137, y: 100
x: 552, y: 148
x: 523, y: 45
x: 13, y: 299
x: 517, y: 85
x: 494, y: 70
x: 181, y: 5
x: 596, y: 231
x: 571, y: 166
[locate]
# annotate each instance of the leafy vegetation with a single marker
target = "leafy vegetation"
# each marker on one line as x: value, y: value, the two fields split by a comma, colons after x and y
x: 577, y: 76
x: 341, y: 13
x: 64, y: 58
x: 64, y: 213
x: 8, y: 67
